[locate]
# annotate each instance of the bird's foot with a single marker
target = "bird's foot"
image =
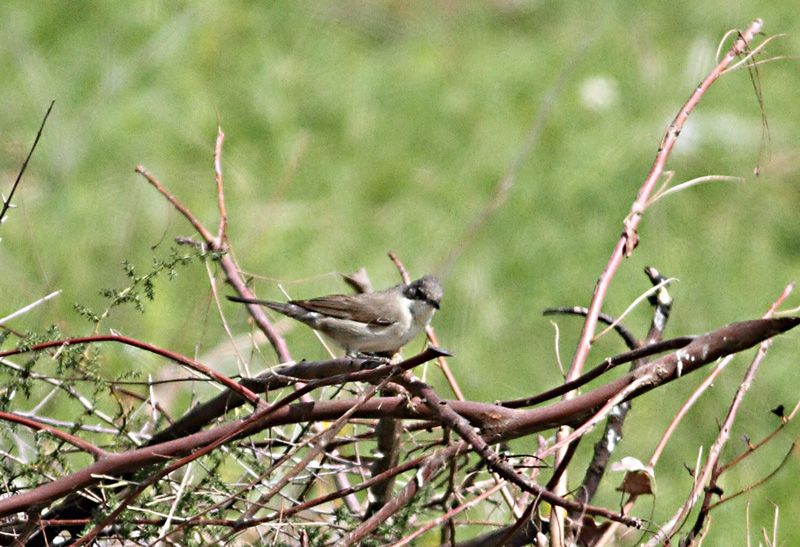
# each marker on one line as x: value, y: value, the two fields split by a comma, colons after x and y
x: 380, y: 358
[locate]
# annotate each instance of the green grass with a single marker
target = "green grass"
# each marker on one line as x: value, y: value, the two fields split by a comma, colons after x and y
x: 357, y: 128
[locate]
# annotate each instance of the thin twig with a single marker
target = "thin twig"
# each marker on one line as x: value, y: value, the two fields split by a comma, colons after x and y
x: 223, y: 214
x: 448, y: 515
x: 689, y: 183
x: 753, y: 486
x: 504, y: 185
x: 226, y: 261
x: 180, y: 207
x: 7, y: 200
x: 29, y: 307
x: 753, y: 448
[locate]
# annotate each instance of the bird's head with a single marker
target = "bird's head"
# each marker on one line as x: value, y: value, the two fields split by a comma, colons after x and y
x: 426, y: 289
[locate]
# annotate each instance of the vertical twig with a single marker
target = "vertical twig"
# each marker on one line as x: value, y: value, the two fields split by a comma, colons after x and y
x: 223, y: 214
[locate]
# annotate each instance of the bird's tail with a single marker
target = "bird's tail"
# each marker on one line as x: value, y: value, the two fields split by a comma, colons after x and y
x: 243, y: 300
x: 286, y: 308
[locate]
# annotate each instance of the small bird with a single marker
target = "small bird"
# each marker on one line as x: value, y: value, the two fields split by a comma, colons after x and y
x: 378, y: 322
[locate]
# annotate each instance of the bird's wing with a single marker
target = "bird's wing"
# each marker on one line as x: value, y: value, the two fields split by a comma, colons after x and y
x: 361, y: 308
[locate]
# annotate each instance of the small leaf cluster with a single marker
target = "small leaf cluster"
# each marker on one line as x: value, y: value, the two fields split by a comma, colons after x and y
x: 142, y: 285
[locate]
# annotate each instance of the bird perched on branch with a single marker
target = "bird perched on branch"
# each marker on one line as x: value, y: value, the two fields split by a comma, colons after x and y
x: 378, y: 322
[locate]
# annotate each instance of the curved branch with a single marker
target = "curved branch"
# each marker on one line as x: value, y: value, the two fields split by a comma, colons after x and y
x: 127, y: 340
x: 36, y: 425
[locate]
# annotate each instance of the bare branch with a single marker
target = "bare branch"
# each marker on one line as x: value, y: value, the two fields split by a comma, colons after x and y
x: 7, y: 200
x: 629, y: 239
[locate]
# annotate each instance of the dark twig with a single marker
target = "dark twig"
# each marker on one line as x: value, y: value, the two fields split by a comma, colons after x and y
x: 387, y: 437
x: 605, y: 366
x: 7, y: 200
x: 626, y: 335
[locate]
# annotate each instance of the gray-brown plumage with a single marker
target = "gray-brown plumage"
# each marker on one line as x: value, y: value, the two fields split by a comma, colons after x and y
x: 379, y: 322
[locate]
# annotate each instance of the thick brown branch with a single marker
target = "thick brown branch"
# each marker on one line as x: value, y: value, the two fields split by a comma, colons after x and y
x: 497, y: 423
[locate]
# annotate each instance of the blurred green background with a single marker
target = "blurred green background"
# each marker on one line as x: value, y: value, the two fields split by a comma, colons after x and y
x: 354, y: 128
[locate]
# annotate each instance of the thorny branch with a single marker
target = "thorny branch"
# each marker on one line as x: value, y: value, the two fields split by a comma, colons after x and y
x: 497, y: 423
x: 469, y: 429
